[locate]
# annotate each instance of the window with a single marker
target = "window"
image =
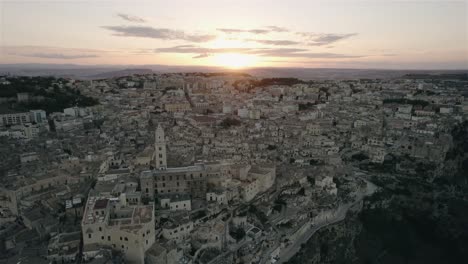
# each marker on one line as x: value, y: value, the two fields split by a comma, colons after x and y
x: 126, y: 239
x: 89, y: 235
x: 102, y: 237
x: 120, y: 238
x: 100, y: 228
x: 108, y: 238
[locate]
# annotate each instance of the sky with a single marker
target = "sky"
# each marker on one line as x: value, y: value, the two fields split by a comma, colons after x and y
x: 382, y: 34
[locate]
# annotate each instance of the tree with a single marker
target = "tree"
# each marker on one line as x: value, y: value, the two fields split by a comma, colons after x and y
x: 229, y: 122
x: 238, y: 233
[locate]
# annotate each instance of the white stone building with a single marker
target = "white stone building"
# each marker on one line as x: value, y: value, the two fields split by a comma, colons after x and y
x: 129, y: 229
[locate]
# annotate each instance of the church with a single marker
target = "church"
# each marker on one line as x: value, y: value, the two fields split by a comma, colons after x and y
x: 244, y: 181
x: 164, y: 180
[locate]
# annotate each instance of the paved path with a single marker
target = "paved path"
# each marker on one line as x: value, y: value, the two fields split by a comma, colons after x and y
x: 287, y: 253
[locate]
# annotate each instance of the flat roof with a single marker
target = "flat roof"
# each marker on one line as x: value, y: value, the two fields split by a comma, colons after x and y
x: 194, y: 168
x: 100, y: 204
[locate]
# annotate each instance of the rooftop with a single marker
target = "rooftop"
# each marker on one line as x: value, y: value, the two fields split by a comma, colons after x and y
x: 100, y: 204
x: 194, y: 168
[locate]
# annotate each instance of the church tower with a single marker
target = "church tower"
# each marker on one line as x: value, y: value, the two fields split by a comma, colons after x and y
x: 160, y: 148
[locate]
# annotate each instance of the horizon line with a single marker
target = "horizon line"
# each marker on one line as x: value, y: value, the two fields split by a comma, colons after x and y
x: 227, y: 68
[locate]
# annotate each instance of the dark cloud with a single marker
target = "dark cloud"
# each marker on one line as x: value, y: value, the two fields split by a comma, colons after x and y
x: 56, y: 55
x: 264, y: 30
x: 324, y: 38
x: 131, y: 18
x: 264, y: 52
x: 257, y: 31
x: 157, y: 33
x: 275, y: 42
x: 200, y: 50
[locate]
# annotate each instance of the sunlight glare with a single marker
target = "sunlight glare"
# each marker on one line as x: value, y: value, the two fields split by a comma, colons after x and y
x: 234, y: 60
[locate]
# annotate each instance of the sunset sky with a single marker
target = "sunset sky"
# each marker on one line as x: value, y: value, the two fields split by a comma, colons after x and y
x: 255, y: 33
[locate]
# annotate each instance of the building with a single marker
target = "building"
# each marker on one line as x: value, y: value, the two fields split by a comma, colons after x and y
x: 219, y: 196
x: 160, y: 157
x: 37, y: 116
x: 190, y: 179
x: 127, y: 228
x: 64, y: 247
x: 15, y: 118
x: 163, y: 180
x: 177, y: 106
x: 177, y: 229
x: 175, y: 202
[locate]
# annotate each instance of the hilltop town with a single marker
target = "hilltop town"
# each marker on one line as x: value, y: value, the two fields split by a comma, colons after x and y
x: 211, y: 167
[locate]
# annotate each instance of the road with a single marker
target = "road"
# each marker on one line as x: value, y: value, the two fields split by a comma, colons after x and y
x: 234, y: 249
x: 288, y: 252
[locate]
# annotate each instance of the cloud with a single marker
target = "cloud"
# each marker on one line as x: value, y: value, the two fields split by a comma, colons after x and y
x: 257, y: 31
x: 264, y: 52
x: 200, y: 50
x: 157, y: 33
x: 50, y: 52
x: 265, y: 30
x: 278, y: 29
x: 58, y: 56
x: 321, y: 39
x: 316, y: 55
x: 205, y: 55
x: 275, y: 42
x: 131, y: 18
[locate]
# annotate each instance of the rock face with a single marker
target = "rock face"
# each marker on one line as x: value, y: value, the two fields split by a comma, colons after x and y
x: 412, y: 220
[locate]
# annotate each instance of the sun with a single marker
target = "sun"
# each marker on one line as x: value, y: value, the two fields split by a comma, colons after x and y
x: 234, y: 60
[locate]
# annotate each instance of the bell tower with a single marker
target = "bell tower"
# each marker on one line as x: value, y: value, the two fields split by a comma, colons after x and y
x: 160, y: 148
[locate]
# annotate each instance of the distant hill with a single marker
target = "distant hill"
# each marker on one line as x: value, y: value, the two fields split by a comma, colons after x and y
x: 441, y: 76
x: 120, y: 73
x: 108, y: 71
